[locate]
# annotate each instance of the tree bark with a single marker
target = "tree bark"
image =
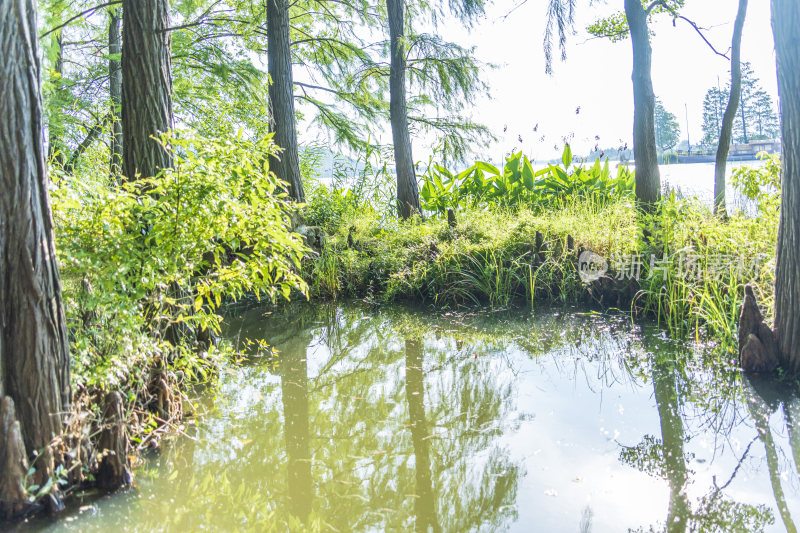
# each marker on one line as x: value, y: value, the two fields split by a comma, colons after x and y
x: 726, y: 132
x: 648, y: 178
x: 281, y: 97
x: 115, y: 91
x: 13, y: 463
x: 407, y: 187
x: 786, y: 28
x: 114, y: 468
x: 146, y: 87
x: 34, y: 355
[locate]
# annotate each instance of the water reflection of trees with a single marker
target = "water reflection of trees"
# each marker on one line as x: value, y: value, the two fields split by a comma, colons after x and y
x: 391, y: 421
x: 424, y: 500
x: 396, y: 430
x: 763, y: 399
x: 666, y: 458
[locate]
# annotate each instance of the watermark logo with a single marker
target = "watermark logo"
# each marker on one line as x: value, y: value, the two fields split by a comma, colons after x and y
x: 683, y: 265
x: 591, y: 266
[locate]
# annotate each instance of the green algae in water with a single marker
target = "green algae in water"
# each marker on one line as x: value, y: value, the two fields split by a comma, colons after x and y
x: 400, y: 420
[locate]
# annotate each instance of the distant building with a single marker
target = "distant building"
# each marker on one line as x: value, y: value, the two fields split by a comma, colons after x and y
x: 770, y: 146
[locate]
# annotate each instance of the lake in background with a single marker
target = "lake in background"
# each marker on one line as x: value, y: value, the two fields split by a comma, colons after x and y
x: 697, y: 180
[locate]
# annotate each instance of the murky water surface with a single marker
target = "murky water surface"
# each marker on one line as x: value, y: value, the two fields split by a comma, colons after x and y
x: 397, y: 420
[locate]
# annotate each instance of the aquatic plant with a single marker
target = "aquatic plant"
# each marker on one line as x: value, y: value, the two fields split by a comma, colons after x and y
x: 520, y: 185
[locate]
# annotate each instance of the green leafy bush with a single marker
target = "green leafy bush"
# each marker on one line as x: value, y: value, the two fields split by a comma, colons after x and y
x: 165, y: 252
x: 761, y: 185
x: 363, y: 185
x: 519, y: 185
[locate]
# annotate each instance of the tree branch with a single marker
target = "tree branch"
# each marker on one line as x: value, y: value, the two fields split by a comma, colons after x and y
x: 92, y: 134
x: 700, y: 33
x: 310, y: 86
x: 655, y: 4
x: 79, y: 15
x: 697, y: 28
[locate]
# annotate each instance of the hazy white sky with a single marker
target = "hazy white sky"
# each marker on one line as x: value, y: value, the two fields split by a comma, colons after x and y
x: 597, y: 73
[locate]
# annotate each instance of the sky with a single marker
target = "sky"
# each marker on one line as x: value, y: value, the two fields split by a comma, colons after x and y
x: 597, y: 74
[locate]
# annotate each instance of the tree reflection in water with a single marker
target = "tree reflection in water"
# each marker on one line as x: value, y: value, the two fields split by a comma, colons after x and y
x: 666, y: 458
x: 293, y: 369
x: 394, y: 420
x: 424, y: 502
x: 763, y: 400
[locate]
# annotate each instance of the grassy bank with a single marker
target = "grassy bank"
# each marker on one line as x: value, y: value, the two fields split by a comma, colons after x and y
x: 693, y: 286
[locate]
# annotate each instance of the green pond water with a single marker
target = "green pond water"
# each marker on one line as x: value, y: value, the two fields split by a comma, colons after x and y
x: 400, y: 420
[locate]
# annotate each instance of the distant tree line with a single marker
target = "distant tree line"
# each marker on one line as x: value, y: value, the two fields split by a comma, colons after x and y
x: 668, y: 131
x: 757, y: 118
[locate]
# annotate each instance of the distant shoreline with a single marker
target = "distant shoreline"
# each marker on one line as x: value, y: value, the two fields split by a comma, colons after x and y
x: 688, y: 159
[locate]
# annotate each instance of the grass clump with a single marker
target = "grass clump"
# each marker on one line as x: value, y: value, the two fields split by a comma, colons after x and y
x: 490, y: 257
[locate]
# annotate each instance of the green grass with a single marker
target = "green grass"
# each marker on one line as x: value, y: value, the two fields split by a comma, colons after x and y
x: 490, y: 259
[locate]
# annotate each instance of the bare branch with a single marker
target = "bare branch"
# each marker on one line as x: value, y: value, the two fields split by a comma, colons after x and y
x: 691, y: 23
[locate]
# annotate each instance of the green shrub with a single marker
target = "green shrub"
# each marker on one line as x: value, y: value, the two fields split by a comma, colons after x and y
x: 761, y: 185
x: 519, y: 185
x: 158, y: 252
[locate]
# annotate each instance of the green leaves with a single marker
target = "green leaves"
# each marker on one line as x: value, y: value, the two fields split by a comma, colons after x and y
x: 518, y: 185
x: 615, y: 27
x: 761, y: 185
x: 566, y: 158
x: 217, y: 229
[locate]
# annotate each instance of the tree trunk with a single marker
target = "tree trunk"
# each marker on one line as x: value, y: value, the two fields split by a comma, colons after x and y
x: 13, y: 463
x: 786, y: 27
x: 724, y: 146
x: 115, y: 91
x: 281, y: 97
x: 648, y: 178
x: 146, y: 87
x: 34, y: 357
x: 114, y: 468
x: 407, y: 188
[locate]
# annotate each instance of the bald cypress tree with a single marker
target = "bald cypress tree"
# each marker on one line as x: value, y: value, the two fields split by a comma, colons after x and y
x: 648, y: 178
x: 634, y: 22
x: 34, y: 357
x: 726, y: 130
x: 407, y: 187
x: 281, y: 96
x: 146, y: 86
x: 786, y: 27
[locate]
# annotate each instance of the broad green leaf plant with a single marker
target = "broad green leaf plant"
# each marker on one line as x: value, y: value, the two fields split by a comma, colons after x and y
x: 518, y: 184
